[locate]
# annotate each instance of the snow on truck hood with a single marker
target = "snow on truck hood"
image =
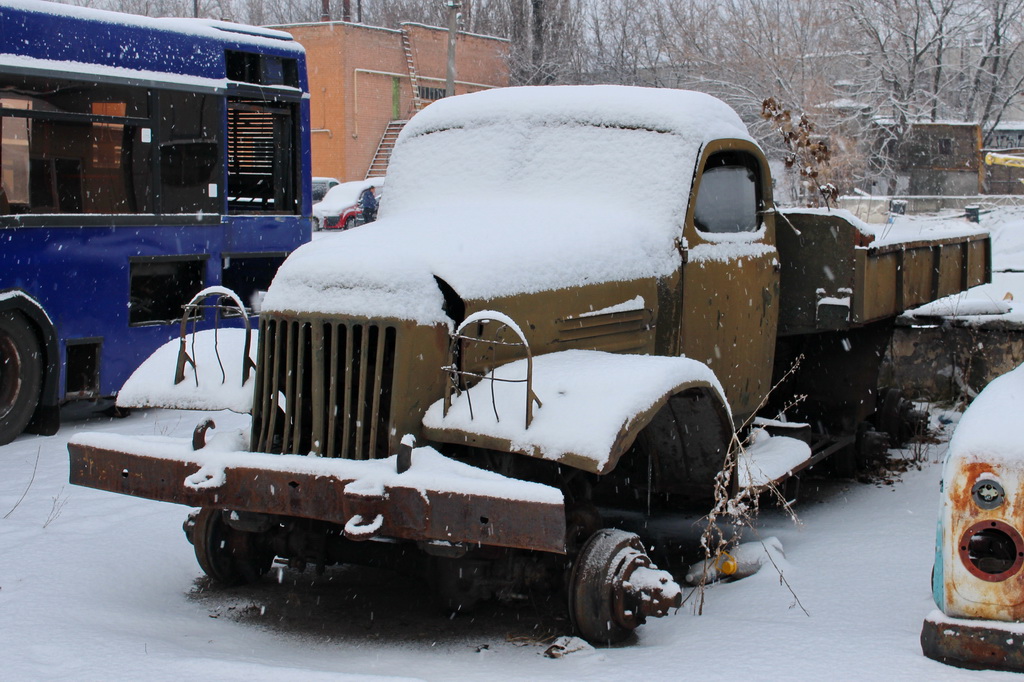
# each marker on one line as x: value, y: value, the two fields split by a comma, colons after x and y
x: 483, y: 250
x: 514, y: 191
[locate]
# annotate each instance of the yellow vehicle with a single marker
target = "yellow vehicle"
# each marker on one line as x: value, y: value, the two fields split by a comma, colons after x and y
x: 573, y: 299
x: 994, y: 159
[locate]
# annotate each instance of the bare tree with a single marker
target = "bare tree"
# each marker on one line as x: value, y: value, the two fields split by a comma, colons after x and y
x: 993, y: 75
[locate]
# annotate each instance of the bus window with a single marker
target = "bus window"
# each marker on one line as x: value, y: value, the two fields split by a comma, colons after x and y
x: 190, y: 169
x: 15, y: 160
x: 70, y: 147
x: 160, y: 285
x: 262, y: 162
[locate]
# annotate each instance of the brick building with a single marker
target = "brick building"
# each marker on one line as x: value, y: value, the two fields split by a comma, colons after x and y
x: 942, y: 159
x: 365, y: 81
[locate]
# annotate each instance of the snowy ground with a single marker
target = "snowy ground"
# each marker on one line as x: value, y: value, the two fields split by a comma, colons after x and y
x: 96, y: 586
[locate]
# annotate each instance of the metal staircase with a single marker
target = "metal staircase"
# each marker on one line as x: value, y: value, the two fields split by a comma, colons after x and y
x: 379, y: 164
x: 414, y: 78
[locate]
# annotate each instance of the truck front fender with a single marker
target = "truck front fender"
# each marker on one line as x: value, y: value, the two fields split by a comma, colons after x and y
x: 592, y: 406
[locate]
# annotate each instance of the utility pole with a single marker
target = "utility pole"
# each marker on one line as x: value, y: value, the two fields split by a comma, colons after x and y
x: 453, y: 29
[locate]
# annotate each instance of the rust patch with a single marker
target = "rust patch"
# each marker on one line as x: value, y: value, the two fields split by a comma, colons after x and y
x: 978, y: 646
x: 983, y: 580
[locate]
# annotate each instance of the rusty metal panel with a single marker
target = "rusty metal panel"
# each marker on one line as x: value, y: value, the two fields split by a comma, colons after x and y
x: 918, y: 269
x: 950, y: 270
x: 408, y: 513
x: 877, y: 288
x: 976, y: 645
x: 979, y: 262
x: 893, y: 278
x: 982, y: 548
x: 817, y: 259
x: 619, y: 332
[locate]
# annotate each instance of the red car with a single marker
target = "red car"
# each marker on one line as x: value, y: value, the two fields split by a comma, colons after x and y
x: 339, y: 209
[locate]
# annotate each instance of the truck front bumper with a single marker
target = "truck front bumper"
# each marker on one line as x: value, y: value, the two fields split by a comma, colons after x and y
x: 436, y: 500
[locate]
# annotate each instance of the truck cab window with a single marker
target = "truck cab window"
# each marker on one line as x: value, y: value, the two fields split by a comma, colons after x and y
x: 729, y: 194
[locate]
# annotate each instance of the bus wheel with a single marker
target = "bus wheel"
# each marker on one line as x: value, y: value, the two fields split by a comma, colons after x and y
x: 21, y: 375
x: 230, y: 557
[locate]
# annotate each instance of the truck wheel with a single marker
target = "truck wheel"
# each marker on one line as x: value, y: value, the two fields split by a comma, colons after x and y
x: 230, y: 557
x: 21, y: 375
x: 596, y: 605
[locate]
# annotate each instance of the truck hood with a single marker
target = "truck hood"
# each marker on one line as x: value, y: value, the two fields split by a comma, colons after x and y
x: 484, y: 248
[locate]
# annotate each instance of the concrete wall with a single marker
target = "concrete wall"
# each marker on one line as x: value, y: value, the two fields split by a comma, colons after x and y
x: 947, y: 362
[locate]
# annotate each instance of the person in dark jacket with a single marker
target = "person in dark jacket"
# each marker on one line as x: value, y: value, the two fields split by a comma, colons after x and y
x: 368, y: 204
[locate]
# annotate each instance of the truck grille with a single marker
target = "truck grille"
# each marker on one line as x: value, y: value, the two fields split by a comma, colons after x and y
x: 323, y: 387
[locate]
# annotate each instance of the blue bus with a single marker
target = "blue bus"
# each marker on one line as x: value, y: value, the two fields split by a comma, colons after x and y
x: 142, y: 160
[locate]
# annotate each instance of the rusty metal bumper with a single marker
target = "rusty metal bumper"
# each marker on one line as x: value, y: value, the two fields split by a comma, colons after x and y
x: 974, y: 644
x: 367, y: 498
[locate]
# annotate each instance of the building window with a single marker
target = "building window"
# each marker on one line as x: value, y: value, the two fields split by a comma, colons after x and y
x: 431, y: 93
x: 945, y: 146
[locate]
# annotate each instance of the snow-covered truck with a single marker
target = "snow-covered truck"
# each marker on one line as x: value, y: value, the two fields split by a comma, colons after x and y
x: 574, y: 299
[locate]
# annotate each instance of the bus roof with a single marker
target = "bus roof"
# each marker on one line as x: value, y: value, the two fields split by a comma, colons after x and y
x: 33, y: 33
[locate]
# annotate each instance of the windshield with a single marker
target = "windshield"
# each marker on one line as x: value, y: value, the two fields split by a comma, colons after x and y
x: 637, y: 171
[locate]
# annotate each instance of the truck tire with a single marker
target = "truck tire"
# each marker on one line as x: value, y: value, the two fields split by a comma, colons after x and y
x: 21, y: 374
x: 596, y: 607
x: 230, y: 557
x: 680, y: 452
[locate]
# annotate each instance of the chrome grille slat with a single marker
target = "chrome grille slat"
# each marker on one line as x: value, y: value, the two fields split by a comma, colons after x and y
x: 324, y: 387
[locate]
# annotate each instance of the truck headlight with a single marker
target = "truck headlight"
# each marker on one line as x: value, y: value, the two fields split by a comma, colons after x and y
x: 992, y: 550
x: 988, y: 493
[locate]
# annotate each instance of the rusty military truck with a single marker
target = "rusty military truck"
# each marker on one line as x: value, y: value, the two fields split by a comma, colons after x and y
x: 574, y: 299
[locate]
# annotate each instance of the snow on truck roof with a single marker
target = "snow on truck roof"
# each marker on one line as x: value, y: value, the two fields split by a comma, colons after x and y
x: 514, y: 191
x: 696, y: 115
